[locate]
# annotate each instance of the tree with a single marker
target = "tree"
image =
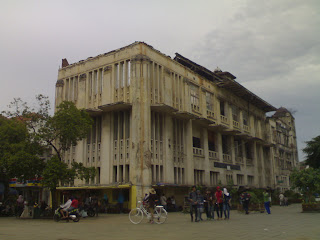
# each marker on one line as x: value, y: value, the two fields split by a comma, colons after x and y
x: 19, y: 154
x: 313, y: 152
x: 307, y: 181
x: 61, y: 131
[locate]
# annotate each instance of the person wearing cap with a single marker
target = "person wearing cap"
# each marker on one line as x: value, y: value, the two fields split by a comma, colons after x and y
x: 193, y: 203
x: 152, y: 198
x: 219, y: 202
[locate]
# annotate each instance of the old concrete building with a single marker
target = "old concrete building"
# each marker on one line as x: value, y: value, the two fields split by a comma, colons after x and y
x: 171, y: 123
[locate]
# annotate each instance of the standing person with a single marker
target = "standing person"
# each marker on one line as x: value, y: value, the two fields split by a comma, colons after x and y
x: 281, y: 197
x: 266, y: 199
x: 226, y: 203
x: 163, y: 201
x: 173, y: 202
x: 245, y: 199
x: 206, y: 204
x: 200, y: 203
x: 121, y: 201
x: 152, y: 198
x: 193, y: 203
x: 219, y: 202
x: 20, y: 205
x: 211, y: 204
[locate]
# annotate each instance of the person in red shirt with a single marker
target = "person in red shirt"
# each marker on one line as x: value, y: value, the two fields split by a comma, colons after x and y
x: 74, y: 205
x: 219, y: 202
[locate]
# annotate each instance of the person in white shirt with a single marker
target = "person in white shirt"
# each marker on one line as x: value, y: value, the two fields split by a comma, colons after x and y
x: 163, y: 201
x: 64, y: 207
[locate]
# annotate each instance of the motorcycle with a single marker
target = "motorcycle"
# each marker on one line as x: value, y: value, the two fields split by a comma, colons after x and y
x: 73, y: 215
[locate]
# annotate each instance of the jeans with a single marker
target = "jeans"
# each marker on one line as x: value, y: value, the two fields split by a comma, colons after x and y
x: 246, y: 206
x: 226, y: 210
x: 199, y: 212
x: 211, y: 211
x: 267, y: 207
x: 193, y: 208
x: 219, y: 208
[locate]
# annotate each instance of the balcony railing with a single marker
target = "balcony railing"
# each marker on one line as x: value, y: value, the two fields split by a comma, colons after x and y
x: 224, y: 119
x: 236, y: 124
x: 213, y: 154
x: 246, y: 129
x: 226, y: 158
x: 195, y: 108
x: 210, y: 114
x: 198, y: 151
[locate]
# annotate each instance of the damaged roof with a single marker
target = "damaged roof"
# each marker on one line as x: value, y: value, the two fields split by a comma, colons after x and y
x: 226, y: 80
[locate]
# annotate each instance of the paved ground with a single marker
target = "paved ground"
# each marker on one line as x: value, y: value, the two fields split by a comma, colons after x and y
x: 283, y: 223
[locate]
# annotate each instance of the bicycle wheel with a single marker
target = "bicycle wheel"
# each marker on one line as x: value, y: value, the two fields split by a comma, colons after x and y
x: 160, y: 215
x: 136, y: 215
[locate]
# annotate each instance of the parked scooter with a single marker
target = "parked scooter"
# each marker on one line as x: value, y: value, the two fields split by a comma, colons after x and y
x: 73, y: 215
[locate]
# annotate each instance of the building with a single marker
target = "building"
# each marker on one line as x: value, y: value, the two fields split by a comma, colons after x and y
x: 170, y: 124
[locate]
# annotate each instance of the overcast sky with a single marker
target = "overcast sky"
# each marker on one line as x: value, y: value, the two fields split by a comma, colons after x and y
x: 272, y: 47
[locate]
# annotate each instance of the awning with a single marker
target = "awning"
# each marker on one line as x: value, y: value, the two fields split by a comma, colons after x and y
x: 94, y: 187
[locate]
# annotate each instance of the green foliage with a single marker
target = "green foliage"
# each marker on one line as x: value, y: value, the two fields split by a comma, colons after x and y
x: 18, y: 152
x: 307, y: 181
x: 312, y: 150
x: 254, y: 198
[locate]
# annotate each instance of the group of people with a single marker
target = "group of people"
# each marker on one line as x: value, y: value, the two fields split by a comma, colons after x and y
x: 219, y: 201
x: 24, y: 208
x: 168, y: 203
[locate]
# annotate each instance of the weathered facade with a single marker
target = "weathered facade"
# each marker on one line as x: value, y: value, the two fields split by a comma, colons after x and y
x: 172, y: 123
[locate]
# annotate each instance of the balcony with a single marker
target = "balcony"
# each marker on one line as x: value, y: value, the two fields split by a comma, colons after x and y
x: 213, y: 155
x: 210, y: 114
x: 236, y: 124
x: 226, y: 158
x: 197, y: 151
x: 246, y: 129
x: 224, y: 119
x: 195, y: 108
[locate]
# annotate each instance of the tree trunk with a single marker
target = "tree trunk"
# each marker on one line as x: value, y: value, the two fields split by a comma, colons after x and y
x: 54, y: 199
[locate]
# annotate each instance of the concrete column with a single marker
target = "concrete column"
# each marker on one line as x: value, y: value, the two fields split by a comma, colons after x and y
x: 206, y: 157
x: 187, y: 102
x: 219, y: 147
x: 263, y: 173
x: 255, y: 164
x: 189, y: 153
x: 106, y: 152
x: 141, y: 116
x: 232, y: 152
x: 244, y: 166
x: 168, y: 150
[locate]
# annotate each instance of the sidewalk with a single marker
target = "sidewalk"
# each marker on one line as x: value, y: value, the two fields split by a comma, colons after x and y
x: 283, y: 223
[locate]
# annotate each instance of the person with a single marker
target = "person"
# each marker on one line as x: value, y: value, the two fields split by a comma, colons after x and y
x: 245, y: 200
x: 65, y: 207
x: 285, y: 200
x: 219, y: 202
x: 211, y: 204
x: 193, y: 203
x: 152, y: 198
x: 226, y: 203
x: 173, y: 202
x: 266, y: 199
x: 206, y: 204
x: 163, y: 201
x: 43, y: 206
x: 95, y: 204
x: 20, y: 205
x: 74, y: 205
x: 200, y: 205
x: 281, y: 198
x: 120, y: 201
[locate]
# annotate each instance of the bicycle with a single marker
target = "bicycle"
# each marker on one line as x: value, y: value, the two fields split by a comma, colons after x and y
x: 136, y: 214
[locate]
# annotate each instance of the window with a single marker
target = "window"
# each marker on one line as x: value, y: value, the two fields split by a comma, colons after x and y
x: 225, y: 145
x: 222, y: 108
x: 229, y: 178
x: 90, y: 84
x: 198, y: 177
x: 250, y: 180
x: 209, y: 101
x: 194, y: 94
x: 240, y: 178
x: 214, y: 178
x: 196, y: 142
x: 100, y: 80
x: 245, y: 118
x: 115, y: 176
x: 235, y: 113
x: 211, y: 141
x: 95, y: 84
x: 128, y: 72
